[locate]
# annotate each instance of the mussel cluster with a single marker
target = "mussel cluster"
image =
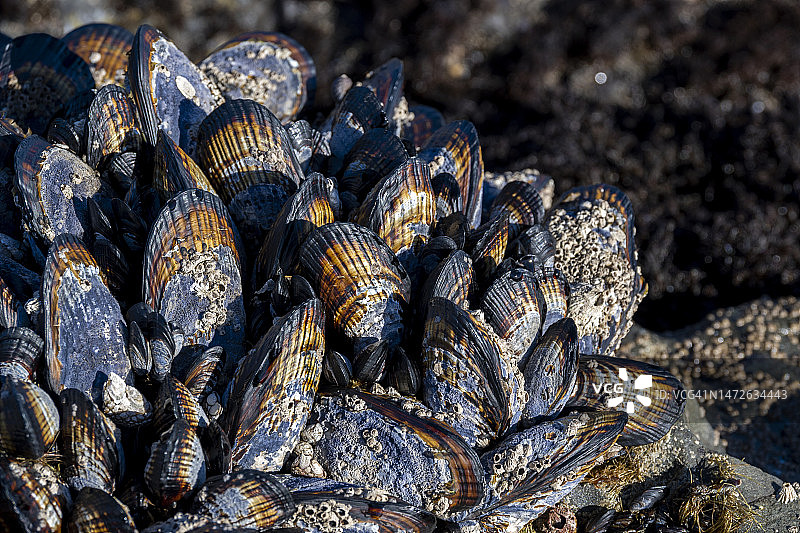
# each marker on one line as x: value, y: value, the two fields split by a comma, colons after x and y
x: 218, y: 315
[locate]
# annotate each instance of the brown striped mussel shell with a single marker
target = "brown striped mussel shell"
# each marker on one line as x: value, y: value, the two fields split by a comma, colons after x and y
x: 111, y: 126
x: 105, y: 48
x: 26, y: 501
x: 360, y: 280
x: 175, y: 171
x: 455, y: 149
x: 271, y: 68
x: 20, y: 352
x: 192, y: 271
x: 177, y: 465
x: 29, y: 419
x: 96, y: 511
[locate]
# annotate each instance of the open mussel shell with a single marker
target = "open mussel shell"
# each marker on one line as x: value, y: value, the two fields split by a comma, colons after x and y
x: 38, y: 75
x: 26, y: 503
x: 175, y: 171
x: 465, y: 378
x: 20, y: 351
x: 245, y: 499
x: 426, y: 120
x: 242, y: 144
x: 170, y: 92
x: 550, y: 371
x: 84, y: 331
x: 650, y: 395
x: 307, y: 209
x: 274, y: 388
x: 89, y: 442
x: 400, y: 209
x: 105, y: 48
x: 523, y: 204
x: 268, y: 67
x: 593, y: 229
x: 111, y: 126
x: 360, y: 280
x: 514, y: 307
x: 455, y: 149
x: 372, y: 442
x: 176, y: 466
x: 357, y: 113
x: 192, y: 271
x: 320, y: 512
x: 374, y: 155
x: 96, y: 511
x: 29, y: 419
x: 531, y: 470
x: 53, y: 185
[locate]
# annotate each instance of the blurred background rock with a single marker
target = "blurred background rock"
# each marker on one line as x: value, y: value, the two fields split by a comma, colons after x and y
x: 691, y: 107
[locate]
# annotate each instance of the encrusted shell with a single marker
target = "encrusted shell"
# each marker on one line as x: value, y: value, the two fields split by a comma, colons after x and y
x: 192, y: 271
x: 274, y: 388
x: 83, y: 325
x: 268, y: 67
x: 26, y: 502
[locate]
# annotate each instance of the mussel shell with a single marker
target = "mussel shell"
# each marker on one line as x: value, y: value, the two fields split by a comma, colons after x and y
x: 550, y: 370
x: 448, y: 195
x: 373, y: 156
x: 245, y: 499
x: 105, y: 49
x: 337, y: 369
x: 96, y: 511
x: 268, y: 67
x: 451, y: 280
x: 176, y: 466
x: 65, y: 133
x: 139, y: 350
x: 29, y: 419
x: 39, y: 74
x: 491, y: 247
x: 593, y: 228
x: 54, y: 185
x: 84, y: 330
x: 455, y: 149
x: 274, y: 388
x: 301, y: 135
x: 306, y: 210
x: 170, y: 92
x: 89, y: 443
x: 113, y: 266
x: 400, y: 209
x: 192, y: 271
x: 241, y: 144
x: 20, y: 351
x: 26, y: 504
x: 318, y: 513
x: 555, y: 293
x: 537, y: 243
x: 200, y: 369
x: 360, y: 280
x: 650, y: 395
x: 514, y: 307
x: 420, y: 460
x: 523, y: 204
x: 176, y: 402
x: 534, y: 469
x: 462, y: 375
x: 386, y: 82
x: 404, y: 374
x: 111, y: 126
x: 358, y: 112
x: 425, y: 122
x: 175, y: 171
x: 454, y: 226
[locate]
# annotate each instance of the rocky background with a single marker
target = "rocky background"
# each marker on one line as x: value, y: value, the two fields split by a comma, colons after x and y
x: 691, y: 107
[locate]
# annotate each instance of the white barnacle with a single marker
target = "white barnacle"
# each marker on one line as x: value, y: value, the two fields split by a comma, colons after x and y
x: 787, y: 494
